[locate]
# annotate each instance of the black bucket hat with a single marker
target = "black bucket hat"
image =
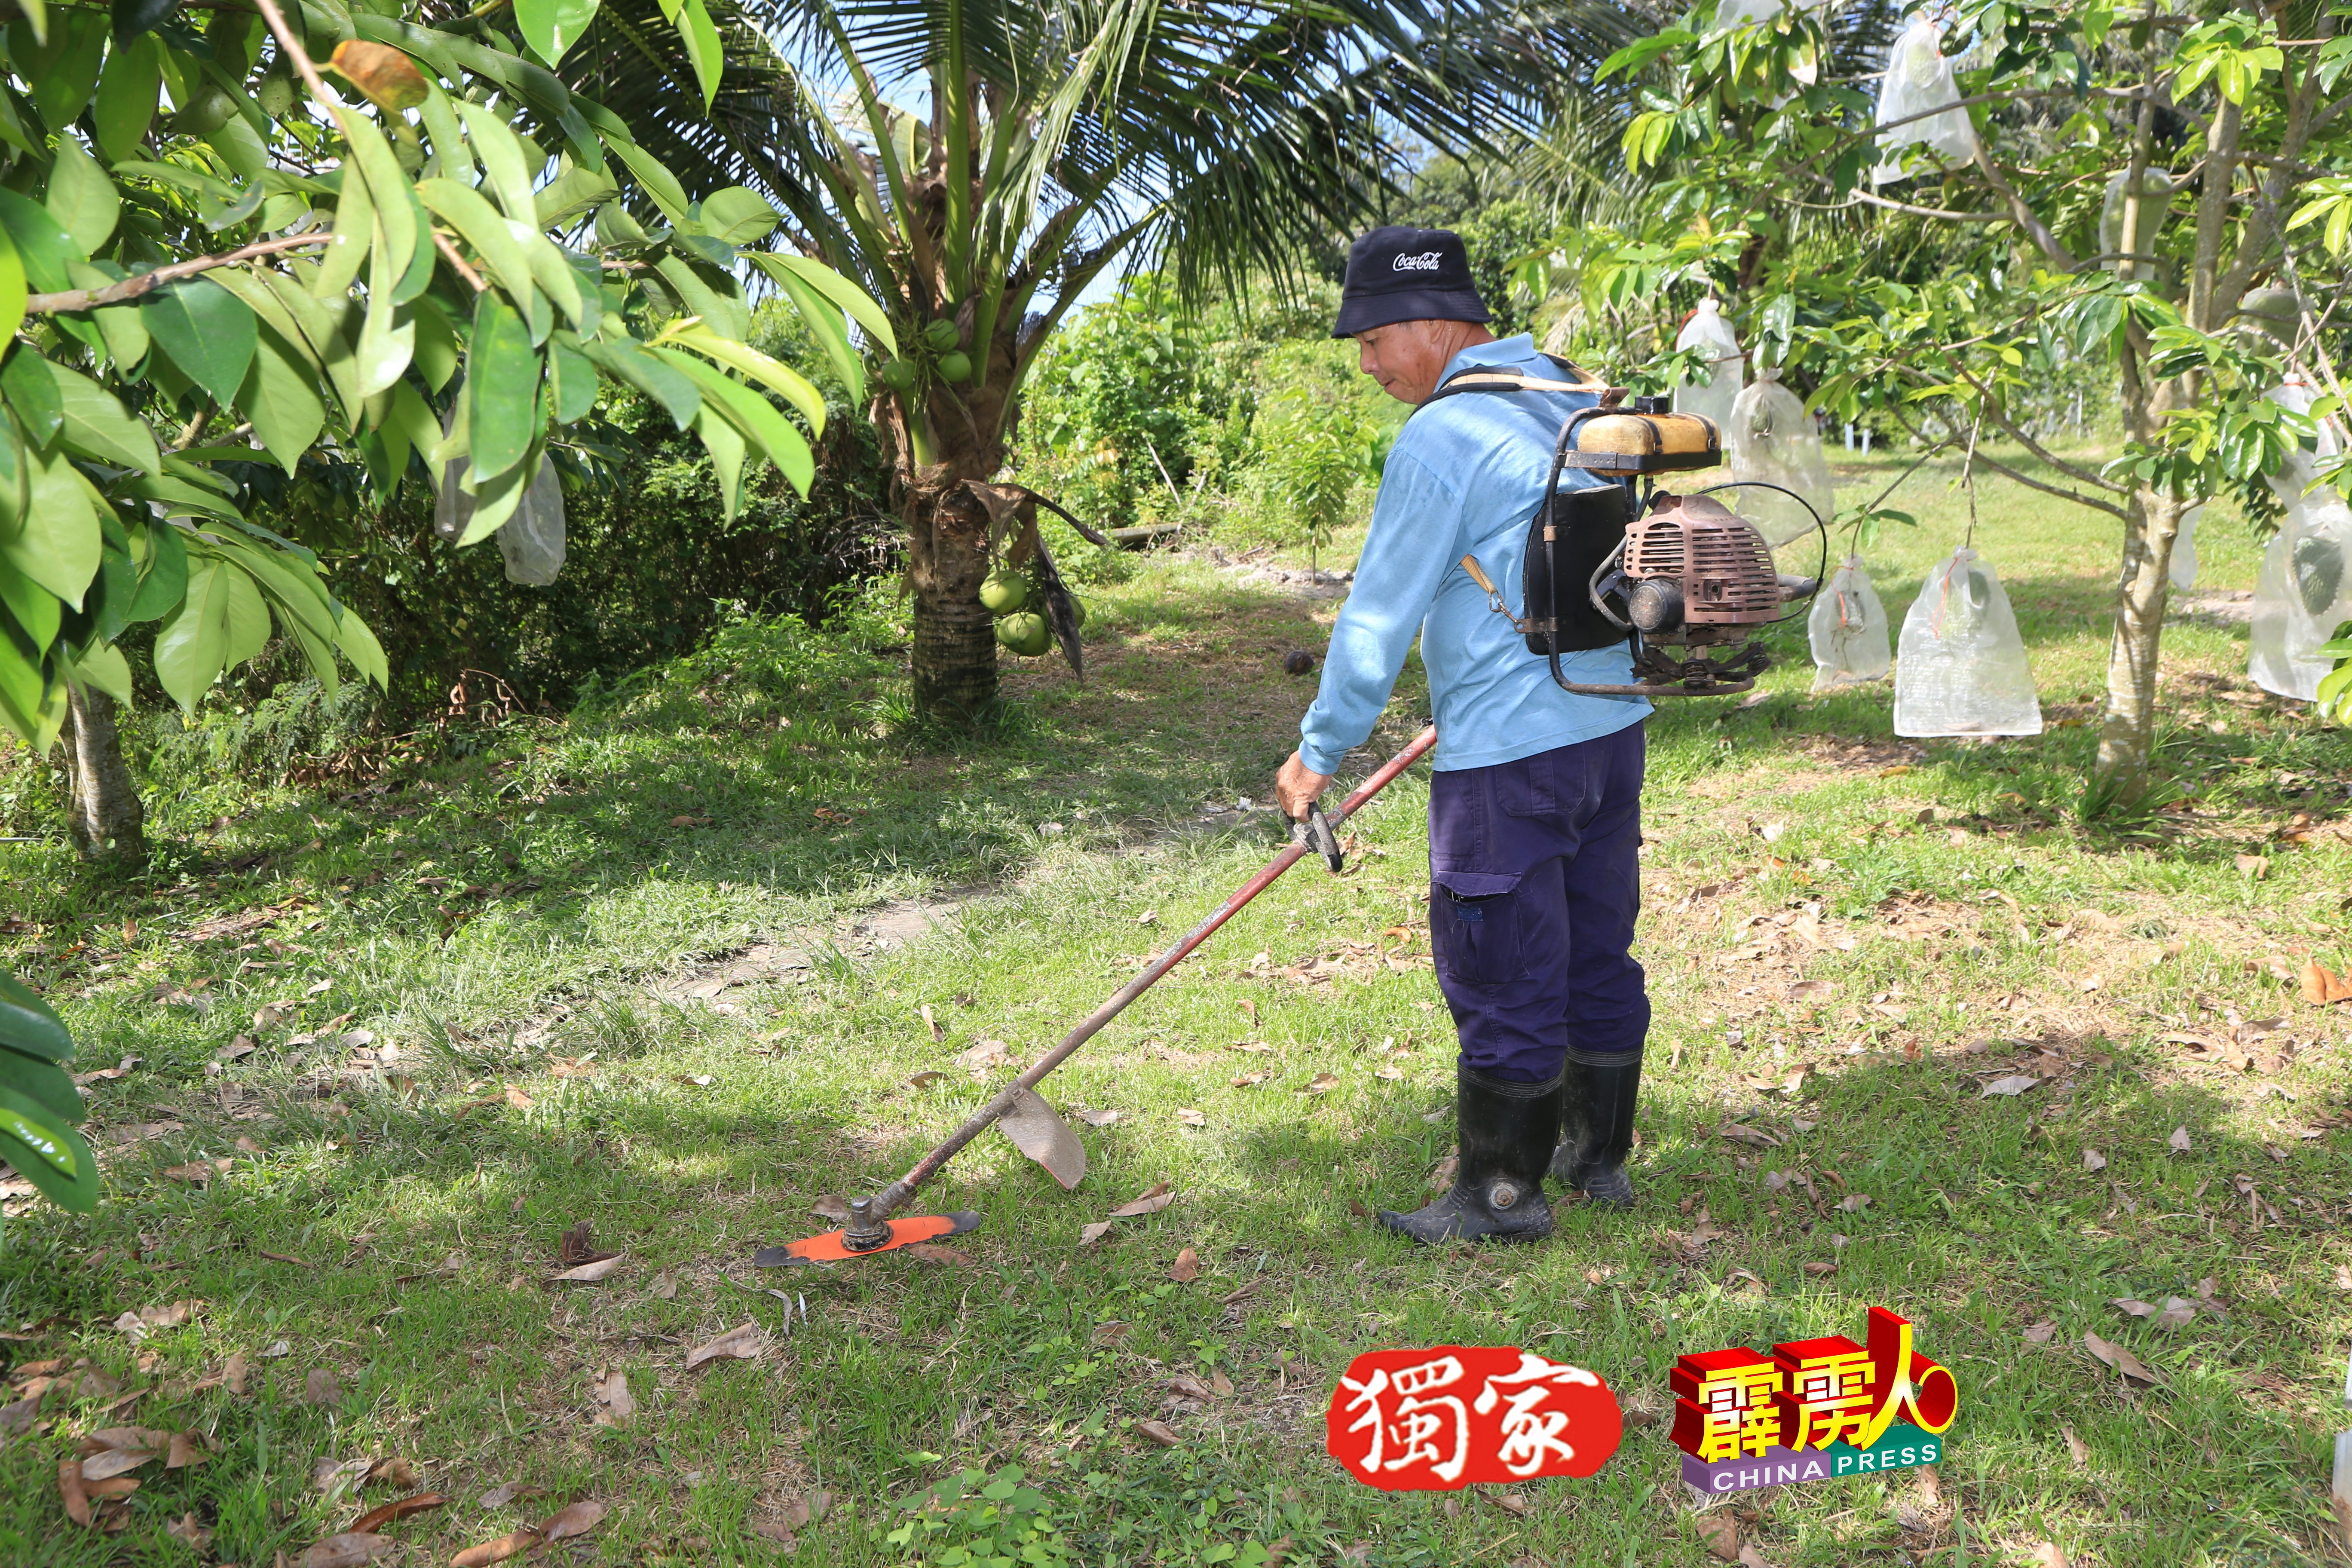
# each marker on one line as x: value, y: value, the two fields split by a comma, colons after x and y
x: 1407, y: 275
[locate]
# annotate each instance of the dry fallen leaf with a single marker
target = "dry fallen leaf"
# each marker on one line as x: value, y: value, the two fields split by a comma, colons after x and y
x: 2075, y: 1446
x: 2093, y: 1160
x: 2177, y: 1312
x: 1855, y: 1202
x: 2015, y: 1084
x: 1190, y: 1118
x: 930, y: 1023
x: 1323, y: 1083
x: 578, y: 1518
x: 350, y: 1550
x: 504, y: 1493
x: 1089, y: 1234
x: 1749, y: 1557
x: 1097, y: 1117
x: 320, y: 1387
x: 1721, y: 1533
x: 2041, y: 1333
x: 376, y: 1517
x: 1250, y: 1079
x: 665, y: 1287
x: 114, y: 1462
x: 746, y: 1343
x: 1186, y: 1267
x: 612, y: 1392
x: 829, y: 1206
x: 2321, y: 987
x: 1158, y: 1432
x: 932, y: 1252
x: 776, y: 1531
x: 925, y: 1079
x: 190, y: 1529
x: 498, y: 1550
x: 589, y: 1273
x: 329, y: 1474
x: 1160, y: 1195
x: 2178, y: 1141
x: 2045, y: 1554
x: 2122, y: 1360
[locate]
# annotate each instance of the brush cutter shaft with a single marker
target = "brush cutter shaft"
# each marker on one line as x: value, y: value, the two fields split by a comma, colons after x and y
x: 887, y: 1200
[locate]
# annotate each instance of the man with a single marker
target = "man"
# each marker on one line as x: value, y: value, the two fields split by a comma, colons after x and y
x: 1534, y: 811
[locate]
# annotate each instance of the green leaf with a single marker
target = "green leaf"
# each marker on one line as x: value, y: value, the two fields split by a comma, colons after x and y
x: 191, y: 646
x: 738, y: 215
x: 502, y: 372
x: 11, y: 289
x: 831, y: 332
x: 133, y: 18
x: 624, y: 362
x: 570, y: 192
x: 572, y: 377
x: 30, y: 383
x: 338, y: 265
x: 725, y: 444
x: 833, y: 286
x: 26, y: 1024
x: 56, y: 543
x: 279, y: 394
x: 81, y: 198
x: 44, y: 248
x: 359, y: 646
x: 104, y: 668
x: 506, y: 168
x: 701, y: 36
x: 320, y: 335
x: 472, y: 216
x: 496, y: 498
x: 728, y: 317
x: 37, y: 611
x: 777, y: 376
x: 54, y: 1158
x: 552, y: 27
x: 208, y: 332
x: 61, y: 88
x: 754, y: 416
x: 163, y: 576
x: 436, y: 344
x: 388, y: 188
x: 386, y: 344
x: 658, y: 182
x: 128, y: 90
x: 125, y: 335
x: 441, y: 127
x: 95, y: 426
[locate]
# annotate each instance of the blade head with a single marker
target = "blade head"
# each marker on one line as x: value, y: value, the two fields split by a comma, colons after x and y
x: 830, y: 1248
x: 1046, y: 1138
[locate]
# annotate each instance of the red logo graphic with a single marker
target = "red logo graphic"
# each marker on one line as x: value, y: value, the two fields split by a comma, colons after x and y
x: 1442, y: 1418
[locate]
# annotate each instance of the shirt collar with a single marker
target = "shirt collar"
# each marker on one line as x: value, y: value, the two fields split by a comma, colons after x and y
x: 1501, y: 352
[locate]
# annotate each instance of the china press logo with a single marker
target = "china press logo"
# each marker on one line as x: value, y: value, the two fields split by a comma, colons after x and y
x: 1442, y: 1418
x: 1812, y: 1410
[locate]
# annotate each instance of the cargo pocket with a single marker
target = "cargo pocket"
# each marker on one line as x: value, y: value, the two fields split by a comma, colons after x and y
x: 1475, y: 928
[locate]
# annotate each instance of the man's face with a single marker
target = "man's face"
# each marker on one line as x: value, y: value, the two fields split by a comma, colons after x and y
x: 1407, y: 357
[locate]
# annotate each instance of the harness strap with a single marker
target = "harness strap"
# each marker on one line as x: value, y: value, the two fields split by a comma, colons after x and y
x: 1478, y: 380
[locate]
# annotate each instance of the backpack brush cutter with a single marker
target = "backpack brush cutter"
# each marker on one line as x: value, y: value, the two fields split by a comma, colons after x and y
x: 1027, y: 1119
x: 1658, y: 571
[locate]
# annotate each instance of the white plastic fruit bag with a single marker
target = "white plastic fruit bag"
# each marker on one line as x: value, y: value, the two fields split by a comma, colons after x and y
x: 2184, y: 549
x: 1916, y: 86
x: 2302, y: 592
x: 1962, y: 668
x: 1848, y: 630
x: 531, y: 540
x: 1708, y: 330
x: 2156, y: 188
x: 2293, y: 478
x: 1771, y: 440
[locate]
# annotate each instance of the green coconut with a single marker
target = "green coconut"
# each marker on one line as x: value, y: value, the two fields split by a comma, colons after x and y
x: 898, y: 374
x: 1025, y: 633
x: 941, y: 335
x: 1004, y: 591
x: 956, y: 366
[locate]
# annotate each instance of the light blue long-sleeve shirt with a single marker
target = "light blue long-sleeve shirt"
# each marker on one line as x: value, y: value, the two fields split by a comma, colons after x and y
x: 1463, y: 479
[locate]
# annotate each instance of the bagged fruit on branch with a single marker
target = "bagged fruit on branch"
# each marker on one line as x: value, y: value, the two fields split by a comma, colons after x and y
x: 531, y: 540
x: 2183, y: 570
x: 1918, y: 99
x: 1771, y: 440
x: 1961, y: 667
x: 1848, y: 630
x: 2302, y: 592
x: 1708, y: 330
x: 2294, y: 478
x: 2156, y: 188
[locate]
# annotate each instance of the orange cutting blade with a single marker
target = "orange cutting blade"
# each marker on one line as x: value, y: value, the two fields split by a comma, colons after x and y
x: 828, y: 1248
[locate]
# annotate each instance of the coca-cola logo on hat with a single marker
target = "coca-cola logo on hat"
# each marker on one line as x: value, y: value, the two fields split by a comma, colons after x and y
x: 1425, y: 262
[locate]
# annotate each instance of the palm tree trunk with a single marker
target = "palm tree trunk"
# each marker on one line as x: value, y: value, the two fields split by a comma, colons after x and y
x: 955, y: 637
x: 104, y: 815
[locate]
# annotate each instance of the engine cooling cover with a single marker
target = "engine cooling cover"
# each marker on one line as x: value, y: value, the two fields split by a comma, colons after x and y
x: 1699, y: 570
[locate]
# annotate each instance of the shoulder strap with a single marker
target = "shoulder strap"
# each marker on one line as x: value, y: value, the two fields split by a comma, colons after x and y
x: 1572, y: 380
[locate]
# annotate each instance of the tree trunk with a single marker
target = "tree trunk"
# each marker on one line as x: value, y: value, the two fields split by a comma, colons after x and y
x: 955, y: 637
x: 103, y: 813
x: 2127, y: 734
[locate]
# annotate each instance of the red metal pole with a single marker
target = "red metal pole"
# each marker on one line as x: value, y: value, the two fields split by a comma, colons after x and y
x: 886, y: 1203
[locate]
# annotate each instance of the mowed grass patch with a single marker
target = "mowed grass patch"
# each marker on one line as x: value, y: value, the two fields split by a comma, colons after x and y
x: 708, y: 1027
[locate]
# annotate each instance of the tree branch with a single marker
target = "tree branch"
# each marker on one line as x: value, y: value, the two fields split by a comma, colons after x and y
x: 1992, y: 404
x: 2025, y: 216
x: 2026, y: 480
x: 73, y: 299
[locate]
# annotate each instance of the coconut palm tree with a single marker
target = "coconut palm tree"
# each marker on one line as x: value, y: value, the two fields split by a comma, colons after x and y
x: 974, y: 165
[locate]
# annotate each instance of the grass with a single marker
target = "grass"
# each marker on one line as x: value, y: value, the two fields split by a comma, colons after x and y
x: 663, y: 967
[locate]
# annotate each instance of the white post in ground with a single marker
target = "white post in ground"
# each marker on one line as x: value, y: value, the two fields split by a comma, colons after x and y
x: 2340, y: 1494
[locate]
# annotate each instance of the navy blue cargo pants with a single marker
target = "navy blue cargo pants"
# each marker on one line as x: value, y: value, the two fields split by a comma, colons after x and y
x: 1534, y: 888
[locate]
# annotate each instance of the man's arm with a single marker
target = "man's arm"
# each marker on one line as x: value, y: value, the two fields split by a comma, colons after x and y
x: 1407, y: 552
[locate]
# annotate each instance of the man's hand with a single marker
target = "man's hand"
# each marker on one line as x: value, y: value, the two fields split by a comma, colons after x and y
x: 1297, y: 787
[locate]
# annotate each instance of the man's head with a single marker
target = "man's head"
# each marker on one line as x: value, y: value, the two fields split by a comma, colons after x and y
x: 1409, y: 304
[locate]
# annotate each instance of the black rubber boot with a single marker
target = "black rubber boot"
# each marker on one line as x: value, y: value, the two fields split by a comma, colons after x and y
x: 1597, y: 1124
x: 1506, y: 1130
